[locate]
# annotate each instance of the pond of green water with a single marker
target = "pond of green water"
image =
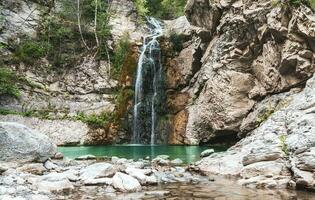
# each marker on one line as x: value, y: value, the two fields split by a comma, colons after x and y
x: 188, y: 154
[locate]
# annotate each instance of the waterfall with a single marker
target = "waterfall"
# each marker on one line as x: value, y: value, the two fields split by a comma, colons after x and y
x: 147, y: 86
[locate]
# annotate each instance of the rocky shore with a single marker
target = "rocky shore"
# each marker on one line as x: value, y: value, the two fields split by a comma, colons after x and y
x: 56, y: 178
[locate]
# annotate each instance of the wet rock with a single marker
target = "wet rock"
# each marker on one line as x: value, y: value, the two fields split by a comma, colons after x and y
x: 50, y: 165
x: 125, y: 183
x: 207, y: 152
x: 21, y: 144
x: 53, y: 182
x: 176, y: 161
x: 58, y: 156
x: 86, y: 157
x: 158, y: 193
x: 138, y: 174
x: 98, y: 181
x: 97, y: 170
x: 164, y: 157
x: 160, y: 161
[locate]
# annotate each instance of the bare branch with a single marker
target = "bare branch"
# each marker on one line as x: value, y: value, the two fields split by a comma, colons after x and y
x: 79, y: 24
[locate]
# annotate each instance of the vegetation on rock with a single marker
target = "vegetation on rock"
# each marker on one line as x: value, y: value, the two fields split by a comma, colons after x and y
x: 8, y: 81
x: 120, y: 54
x: 96, y: 121
x: 165, y: 9
x: 74, y: 28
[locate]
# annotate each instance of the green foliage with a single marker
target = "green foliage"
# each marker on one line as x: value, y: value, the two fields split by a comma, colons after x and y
x: 310, y: 3
x: 59, y: 38
x: 284, y: 146
x: 142, y: 7
x: 265, y: 115
x: 120, y: 54
x: 166, y: 9
x: 30, y: 50
x: 96, y: 121
x: 4, y: 111
x: 8, y: 81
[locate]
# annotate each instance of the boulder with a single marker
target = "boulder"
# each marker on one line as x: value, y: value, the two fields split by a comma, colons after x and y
x: 98, y: 181
x: 176, y: 161
x: 21, y: 144
x: 125, y: 183
x: 53, y: 182
x: 207, y: 152
x: 97, y: 170
x: 86, y: 157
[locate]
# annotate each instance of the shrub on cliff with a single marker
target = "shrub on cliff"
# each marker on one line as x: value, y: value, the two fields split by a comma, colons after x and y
x: 8, y: 80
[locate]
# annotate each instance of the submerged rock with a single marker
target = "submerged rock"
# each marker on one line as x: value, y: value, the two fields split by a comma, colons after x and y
x: 21, y: 144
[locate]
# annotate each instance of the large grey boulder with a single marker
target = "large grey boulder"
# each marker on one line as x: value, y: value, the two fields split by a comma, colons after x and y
x: 19, y: 143
x: 97, y: 170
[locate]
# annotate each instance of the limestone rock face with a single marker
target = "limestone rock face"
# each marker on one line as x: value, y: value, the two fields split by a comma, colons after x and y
x: 124, y: 21
x: 61, y: 132
x: 239, y: 57
x: 18, y: 17
x: 287, y: 136
x: 19, y: 143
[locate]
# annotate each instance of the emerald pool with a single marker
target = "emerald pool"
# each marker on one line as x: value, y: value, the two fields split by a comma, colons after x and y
x: 188, y: 154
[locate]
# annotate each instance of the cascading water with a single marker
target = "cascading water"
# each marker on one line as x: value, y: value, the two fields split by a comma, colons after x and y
x: 148, y: 86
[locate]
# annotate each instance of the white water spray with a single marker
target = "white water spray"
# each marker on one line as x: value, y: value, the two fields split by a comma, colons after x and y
x: 148, y: 58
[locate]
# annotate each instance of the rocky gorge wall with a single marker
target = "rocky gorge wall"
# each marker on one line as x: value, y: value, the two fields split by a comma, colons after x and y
x: 86, y: 88
x: 254, y: 82
x: 235, y: 57
x: 226, y: 64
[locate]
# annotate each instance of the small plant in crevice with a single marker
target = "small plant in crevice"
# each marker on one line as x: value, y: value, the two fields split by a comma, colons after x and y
x: 265, y: 115
x: 284, y: 146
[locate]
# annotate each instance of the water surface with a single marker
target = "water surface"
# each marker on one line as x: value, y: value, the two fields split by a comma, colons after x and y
x: 188, y: 154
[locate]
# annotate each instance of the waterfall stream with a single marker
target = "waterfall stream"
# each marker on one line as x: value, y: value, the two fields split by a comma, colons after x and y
x: 147, y: 86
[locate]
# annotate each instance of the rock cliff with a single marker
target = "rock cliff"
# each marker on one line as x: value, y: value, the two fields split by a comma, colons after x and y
x: 231, y: 69
x: 247, y: 74
x: 83, y: 88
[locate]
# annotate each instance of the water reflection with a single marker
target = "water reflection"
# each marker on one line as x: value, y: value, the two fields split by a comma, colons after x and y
x: 188, y: 154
